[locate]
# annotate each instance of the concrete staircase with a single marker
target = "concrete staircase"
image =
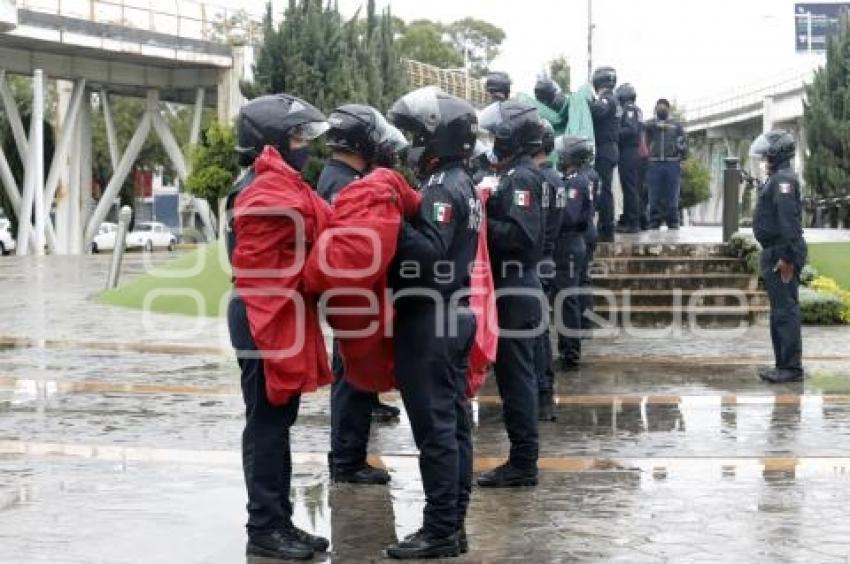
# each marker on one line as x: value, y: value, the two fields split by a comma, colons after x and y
x: 656, y: 285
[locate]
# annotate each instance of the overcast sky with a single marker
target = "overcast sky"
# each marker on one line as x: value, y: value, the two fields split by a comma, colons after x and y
x: 679, y: 49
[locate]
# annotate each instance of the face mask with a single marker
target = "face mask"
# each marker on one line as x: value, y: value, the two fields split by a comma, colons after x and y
x: 297, y: 158
x: 662, y: 114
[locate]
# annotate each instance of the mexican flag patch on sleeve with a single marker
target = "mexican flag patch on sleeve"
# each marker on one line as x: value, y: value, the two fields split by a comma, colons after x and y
x: 522, y: 198
x: 442, y: 212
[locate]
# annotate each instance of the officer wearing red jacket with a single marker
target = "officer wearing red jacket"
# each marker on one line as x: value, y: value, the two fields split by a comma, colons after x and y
x: 433, y: 328
x: 355, y: 136
x: 287, y: 124
x: 515, y: 229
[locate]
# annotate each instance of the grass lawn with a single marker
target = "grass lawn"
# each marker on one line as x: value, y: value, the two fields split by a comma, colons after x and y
x: 833, y: 260
x: 192, y: 284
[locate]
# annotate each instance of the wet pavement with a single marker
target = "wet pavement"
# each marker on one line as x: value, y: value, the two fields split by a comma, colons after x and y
x: 119, y: 442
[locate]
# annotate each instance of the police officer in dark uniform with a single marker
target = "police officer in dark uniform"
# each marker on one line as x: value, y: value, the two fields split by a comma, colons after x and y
x: 433, y: 327
x: 553, y: 202
x: 288, y: 124
x: 498, y: 86
x: 574, y: 157
x: 354, y: 137
x: 516, y: 236
x: 668, y: 147
x: 606, y: 128
x: 631, y: 125
x: 590, y: 239
x: 777, y: 224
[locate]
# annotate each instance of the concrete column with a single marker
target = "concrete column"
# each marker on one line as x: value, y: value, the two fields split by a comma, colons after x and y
x: 195, y: 134
x: 66, y: 146
x: 86, y: 206
x: 767, y: 116
x: 229, y: 96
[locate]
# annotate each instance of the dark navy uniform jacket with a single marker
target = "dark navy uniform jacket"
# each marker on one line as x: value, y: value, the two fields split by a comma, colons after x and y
x: 554, y: 200
x: 778, y: 217
x: 335, y: 176
x: 578, y: 209
x: 515, y: 225
x: 230, y: 235
x: 436, y: 247
x: 631, y: 127
x: 606, y: 125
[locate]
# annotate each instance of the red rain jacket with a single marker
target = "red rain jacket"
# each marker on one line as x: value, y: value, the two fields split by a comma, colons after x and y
x: 360, y: 244
x: 482, y: 301
x: 277, y: 219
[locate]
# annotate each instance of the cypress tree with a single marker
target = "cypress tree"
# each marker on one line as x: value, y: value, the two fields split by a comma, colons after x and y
x: 826, y: 120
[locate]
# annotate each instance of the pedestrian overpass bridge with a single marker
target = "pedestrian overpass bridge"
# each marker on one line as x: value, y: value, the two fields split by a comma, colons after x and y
x: 725, y: 126
x: 179, y: 52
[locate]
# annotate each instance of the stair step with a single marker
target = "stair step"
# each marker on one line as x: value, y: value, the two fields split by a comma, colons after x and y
x: 668, y: 298
x: 675, y: 281
x: 631, y: 249
x: 705, y: 317
x: 668, y: 265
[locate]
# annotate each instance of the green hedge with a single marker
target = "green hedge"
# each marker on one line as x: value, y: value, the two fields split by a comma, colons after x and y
x: 820, y: 308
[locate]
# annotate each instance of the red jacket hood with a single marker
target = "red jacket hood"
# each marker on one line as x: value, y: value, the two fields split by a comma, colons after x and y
x: 270, y: 159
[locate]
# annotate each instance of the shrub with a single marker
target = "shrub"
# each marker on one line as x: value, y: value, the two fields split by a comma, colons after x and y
x: 819, y: 308
x: 745, y: 246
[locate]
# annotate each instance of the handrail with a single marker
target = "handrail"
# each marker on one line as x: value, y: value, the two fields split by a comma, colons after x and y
x: 188, y: 19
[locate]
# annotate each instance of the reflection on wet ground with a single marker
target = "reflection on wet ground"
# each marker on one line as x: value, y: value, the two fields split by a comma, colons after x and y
x: 120, y: 444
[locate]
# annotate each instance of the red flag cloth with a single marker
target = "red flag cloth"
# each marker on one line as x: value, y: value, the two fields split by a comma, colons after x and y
x: 350, y: 261
x: 482, y: 302
x: 277, y: 219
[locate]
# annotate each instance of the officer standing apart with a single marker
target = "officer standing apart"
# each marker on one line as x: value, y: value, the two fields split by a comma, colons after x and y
x: 433, y: 327
x: 354, y: 137
x: 516, y: 234
x: 629, y: 136
x: 668, y: 147
x: 574, y: 157
x: 288, y: 124
x: 777, y: 224
x: 606, y: 130
x: 554, y: 199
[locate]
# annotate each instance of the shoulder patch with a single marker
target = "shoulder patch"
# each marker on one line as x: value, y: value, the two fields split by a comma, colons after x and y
x: 546, y: 195
x: 561, y: 197
x: 786, y: 188
x: 522, y: 198
x: 572, y: 193
x: 442, y: 212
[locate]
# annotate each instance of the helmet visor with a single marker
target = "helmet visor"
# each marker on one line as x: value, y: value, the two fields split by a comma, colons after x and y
x: 760, y: 146
x: 309, y: 130
x: 419, y: 109
x: 490, y: 117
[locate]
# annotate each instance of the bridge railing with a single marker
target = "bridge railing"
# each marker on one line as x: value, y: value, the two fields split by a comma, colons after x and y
x: 182, y: 18
x: 745, y: 97
x: 454, y: 82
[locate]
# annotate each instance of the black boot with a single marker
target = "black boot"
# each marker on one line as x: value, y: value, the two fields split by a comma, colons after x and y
x: 546, y: 406
x: 278, y: 544
x: 366, y: 475
x: 423, y: 544
x: 385, y: 413
x: 780, y: 375
x: 508, y: 476
x: 317, y: 543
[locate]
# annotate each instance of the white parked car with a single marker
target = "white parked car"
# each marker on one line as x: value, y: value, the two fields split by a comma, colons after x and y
x: 105, y: 238
x: 7, y: 240
x: 150, y: 235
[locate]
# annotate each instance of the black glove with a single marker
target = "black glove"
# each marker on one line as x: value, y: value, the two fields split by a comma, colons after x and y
x: 549, y: 94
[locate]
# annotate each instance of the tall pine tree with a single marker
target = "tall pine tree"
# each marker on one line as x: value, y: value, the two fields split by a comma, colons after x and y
x: 315, y: 54
x: 826, y: 120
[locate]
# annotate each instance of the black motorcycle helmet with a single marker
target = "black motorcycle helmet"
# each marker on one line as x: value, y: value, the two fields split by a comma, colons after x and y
x: 548, y: 137
x: 392, y: 147
x: 274, y: 120
x: 776, y: 147
x: 604, y: 78
x: 626, y: 93
x: 498, y: 85
x: 441, y: 127
x: 573, y: 151
x: 515, y: 126
x: 354, y: 128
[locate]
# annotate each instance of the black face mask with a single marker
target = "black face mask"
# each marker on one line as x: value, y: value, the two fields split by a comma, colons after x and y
x: 662, y: 114
x: 297, y: 158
